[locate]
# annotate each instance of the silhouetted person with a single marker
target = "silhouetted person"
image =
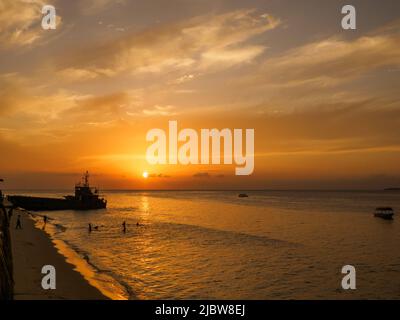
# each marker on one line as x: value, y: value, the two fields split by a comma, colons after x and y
x: 124, y: 226
x: 137, y: 224
x: 44, y: 222
x: 19, y: 225
x: 90, y: 227
x: 96, y: 228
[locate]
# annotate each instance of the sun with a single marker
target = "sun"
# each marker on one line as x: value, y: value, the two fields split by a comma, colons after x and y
x: 145, y: 174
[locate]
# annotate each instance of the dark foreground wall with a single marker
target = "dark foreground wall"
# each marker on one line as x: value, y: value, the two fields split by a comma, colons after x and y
x: 6, y: 268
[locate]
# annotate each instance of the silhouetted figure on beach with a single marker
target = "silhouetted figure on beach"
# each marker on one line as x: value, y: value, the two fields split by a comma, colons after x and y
x: 96, y: 228
x: 90, y: 227
x: 137, y: 224
x: 44, y: 222
x: 124, y: 226
x: 19, y: 225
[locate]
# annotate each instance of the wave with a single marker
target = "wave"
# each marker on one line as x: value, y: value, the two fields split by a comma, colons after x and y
x: 81, y: 260
x: 86, y: 256
x: 203, y: 235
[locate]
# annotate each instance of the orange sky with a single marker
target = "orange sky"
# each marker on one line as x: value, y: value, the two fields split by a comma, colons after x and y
x: 324, y: 102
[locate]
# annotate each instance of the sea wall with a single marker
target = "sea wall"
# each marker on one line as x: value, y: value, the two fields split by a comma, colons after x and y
x: 6, y: 267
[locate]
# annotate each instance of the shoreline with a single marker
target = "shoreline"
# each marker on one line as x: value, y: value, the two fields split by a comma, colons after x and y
x: 32, y: 248
x: 109, y: 286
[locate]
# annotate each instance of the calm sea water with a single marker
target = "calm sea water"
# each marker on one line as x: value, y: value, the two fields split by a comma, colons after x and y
x: 214, y: 245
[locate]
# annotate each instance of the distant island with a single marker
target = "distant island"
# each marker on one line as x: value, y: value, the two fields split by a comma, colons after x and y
x: 392, y: 189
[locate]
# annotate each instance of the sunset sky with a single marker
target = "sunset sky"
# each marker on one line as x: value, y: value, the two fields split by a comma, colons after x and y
x: 324, y: 102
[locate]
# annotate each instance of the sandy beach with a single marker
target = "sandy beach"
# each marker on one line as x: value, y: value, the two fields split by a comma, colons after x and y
x: 32, y: 249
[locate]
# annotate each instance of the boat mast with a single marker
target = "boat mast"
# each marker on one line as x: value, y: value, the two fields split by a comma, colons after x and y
x: 86, y: 179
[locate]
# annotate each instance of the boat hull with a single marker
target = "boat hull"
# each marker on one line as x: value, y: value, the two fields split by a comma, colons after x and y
x: 54, y: 204
x: 387, y: 216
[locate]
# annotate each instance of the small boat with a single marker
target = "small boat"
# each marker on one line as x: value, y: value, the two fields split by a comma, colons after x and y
x: 384, y: 213
x: 243, y: 195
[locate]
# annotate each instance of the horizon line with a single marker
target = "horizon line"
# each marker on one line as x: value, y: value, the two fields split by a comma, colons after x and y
x: 236, y: 189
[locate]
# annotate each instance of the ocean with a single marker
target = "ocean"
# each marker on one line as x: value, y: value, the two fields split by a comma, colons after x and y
x: 215, y: 245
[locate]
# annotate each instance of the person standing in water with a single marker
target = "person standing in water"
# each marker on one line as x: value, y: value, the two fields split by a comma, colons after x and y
x: 90, y: 227
x: 124, y: 226
x: 19, y: 225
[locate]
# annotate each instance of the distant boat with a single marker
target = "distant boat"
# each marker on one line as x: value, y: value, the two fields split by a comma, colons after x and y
x: 243, y: 195
x: 392, y: 189
x: 85, y: 198
x: 384, y: 213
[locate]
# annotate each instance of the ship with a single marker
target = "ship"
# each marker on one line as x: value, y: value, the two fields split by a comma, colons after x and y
x: 85, y: 198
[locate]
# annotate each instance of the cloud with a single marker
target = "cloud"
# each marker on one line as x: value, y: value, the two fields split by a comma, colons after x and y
x: 184, y: 78
x: 160, y: 111
x: 334, y: 60
x: 20, y: 22
x: 334, y: 71
x: 11, y: 92
x: 202, y: 175
x: 368, y: 126
x: 229, y: 57
x: 206, y: 175
x: 53, y: 115
x: 91, y: 7
x: 21, y: 97
x: 100, y: 109
x: 203, y: 43
x: 74, y: 74
x: 158, y: 175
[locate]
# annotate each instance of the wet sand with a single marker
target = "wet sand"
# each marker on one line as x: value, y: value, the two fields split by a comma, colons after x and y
x: 32, y: 249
